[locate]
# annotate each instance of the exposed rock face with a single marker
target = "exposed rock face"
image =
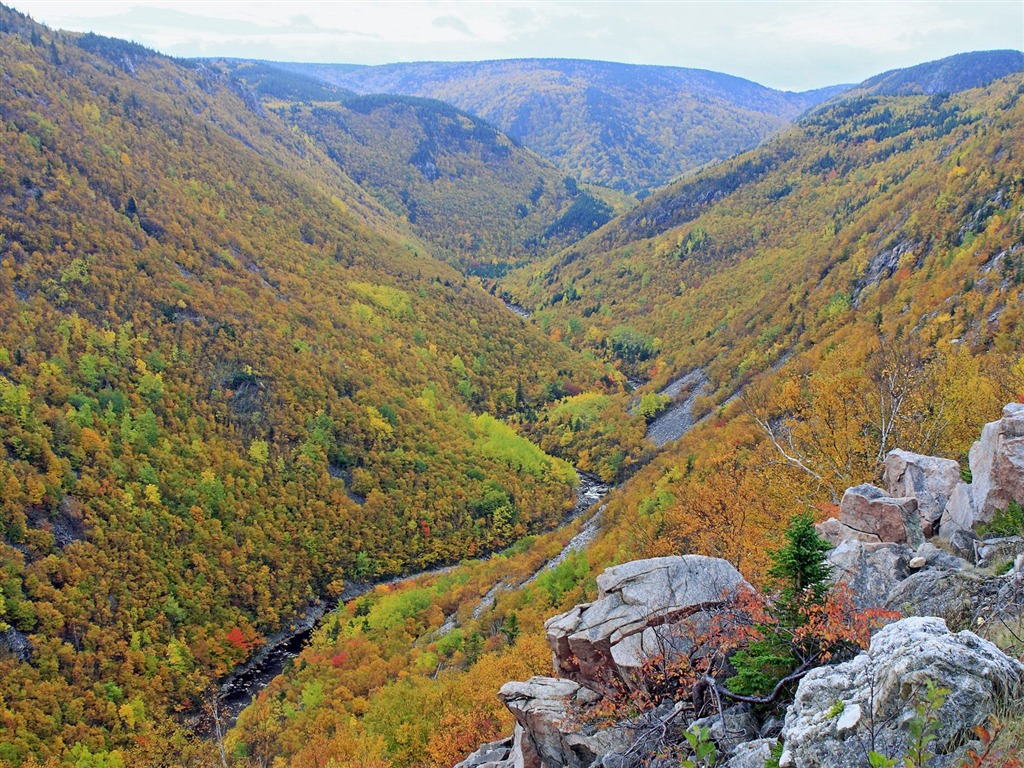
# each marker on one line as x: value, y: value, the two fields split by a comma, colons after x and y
x: 870, y: 570
x: 540, y: 707
x: 996, y: 551
x: 878, y: 690
x: 752, y: 754
x: 15, y: 643
x: 867, y: 513
x: 603, y: 644
x: 928, y: 479
x: 997, y: 474
x: 497, y: 754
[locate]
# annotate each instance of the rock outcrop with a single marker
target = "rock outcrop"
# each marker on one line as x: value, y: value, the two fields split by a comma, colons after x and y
x: 663, y: 606
x: 870, y: 514
x: 875, y: 693
x: 997, y: 474
x: 15, y: 643
x: 870, y: 570
x: 497, y: 754
x: 540, y: 707
x: 928, y: 479
x: 603, y: 644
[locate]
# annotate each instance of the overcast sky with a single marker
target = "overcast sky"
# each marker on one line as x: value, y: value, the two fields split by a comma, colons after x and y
x: 788, y: 45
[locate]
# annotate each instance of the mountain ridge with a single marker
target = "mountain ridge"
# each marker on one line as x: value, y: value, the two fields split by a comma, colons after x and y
x: 597, y: 106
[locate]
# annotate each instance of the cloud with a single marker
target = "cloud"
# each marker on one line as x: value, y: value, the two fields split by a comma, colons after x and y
x: 787, y: 44
x: 866, y: 26
x: 452, y: 22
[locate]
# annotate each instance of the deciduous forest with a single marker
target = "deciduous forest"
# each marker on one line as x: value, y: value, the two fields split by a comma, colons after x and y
x: 254, y: 354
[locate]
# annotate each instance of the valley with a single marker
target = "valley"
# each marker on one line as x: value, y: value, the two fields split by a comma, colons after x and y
x: 244, y: 683
x: 322, y: 387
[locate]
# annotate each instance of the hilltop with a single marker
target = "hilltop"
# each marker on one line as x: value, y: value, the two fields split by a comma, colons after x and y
x: 624, y: 126
x: 485, y: 202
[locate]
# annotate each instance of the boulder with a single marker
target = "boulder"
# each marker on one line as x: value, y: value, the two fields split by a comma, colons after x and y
x: 497, y: 754
x: 928, y: 479
x: 937, y: 558
x: 997, y: 463
x: 752, y: 754
x: 541, y: 706
x: 950, y: 595
x: 831, y: 530
x: 869, y: 514
x: 997, y: 473
x: 993, y: 552
x: 733, y: 726
x: 870, y: 570
x: 960, y: 514
x: 876, y: 692
x: 603, y: 644
x: 964, y: 543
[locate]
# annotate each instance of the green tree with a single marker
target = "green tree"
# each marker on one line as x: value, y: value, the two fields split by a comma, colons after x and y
x: 800, y: 566
x: 801, y: 575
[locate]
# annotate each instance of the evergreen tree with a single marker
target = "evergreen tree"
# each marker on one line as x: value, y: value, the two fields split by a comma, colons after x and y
x: 800, y: 566
x: 802, y: 575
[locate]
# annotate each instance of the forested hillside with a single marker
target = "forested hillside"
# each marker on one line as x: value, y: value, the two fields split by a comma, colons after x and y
x: 893, y: 213
x: 618, y: 125
x: 230, y: 381
x: 482, y: 199
x: 851, y: 287
x: 948, y: 75
x: 237, y: 375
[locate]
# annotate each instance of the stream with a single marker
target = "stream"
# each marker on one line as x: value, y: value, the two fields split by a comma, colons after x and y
x: 516, y: 309
x: 249, y: 678
x: 238, y: 689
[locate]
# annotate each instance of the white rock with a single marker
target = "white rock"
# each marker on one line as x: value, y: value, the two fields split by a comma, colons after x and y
x: 849, y: 719
x: 603, y: 644
x: 887, y: 682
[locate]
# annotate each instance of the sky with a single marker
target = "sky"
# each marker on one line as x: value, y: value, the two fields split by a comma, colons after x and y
x: 791, y: 45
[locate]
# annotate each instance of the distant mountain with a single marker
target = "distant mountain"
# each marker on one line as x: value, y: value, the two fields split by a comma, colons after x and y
x: 625, y: 126
x: 949, y: 75
x: 483, y: 199
x: 871, y: 209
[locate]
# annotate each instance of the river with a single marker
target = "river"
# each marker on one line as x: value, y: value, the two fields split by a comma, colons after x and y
x: 249, y: 678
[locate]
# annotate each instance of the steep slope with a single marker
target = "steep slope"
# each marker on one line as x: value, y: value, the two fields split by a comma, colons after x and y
x: 949, y: 75
x: 867, y: 211
x: 857, y: 280
x: 484, y: 201
x: 229, y: 381
x: 618, y: 125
